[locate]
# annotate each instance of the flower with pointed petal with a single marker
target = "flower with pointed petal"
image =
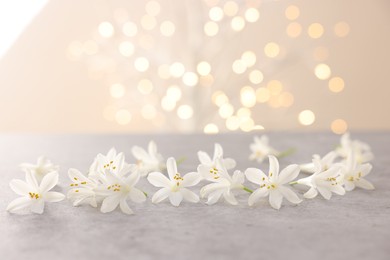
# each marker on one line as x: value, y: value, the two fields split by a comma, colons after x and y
x: 223, y: 184
x: 273, y: 185
x: 323, y: 181
x: 354, y: 174
x: 43, y: 167
x: 117, y: 190
x: 261, y: 149
x: 208, y: 166
x: 148, y: 161
x: 82, y: 189
x: 362, y: 151
x: 174, y: 187
x: 34, y: 194
x: 110, y: 163
x: 325, y: 162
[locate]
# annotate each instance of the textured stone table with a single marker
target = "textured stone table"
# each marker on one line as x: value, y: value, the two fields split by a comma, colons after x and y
x: 355, y: 226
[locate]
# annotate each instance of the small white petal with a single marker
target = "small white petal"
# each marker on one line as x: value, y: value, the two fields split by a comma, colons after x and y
x: 210, y: 188
x: 18, y: 204
x: 189, y: 195
x: 48, y: 182
x: 256, y: 195
x: 31, y: 180
x: 229, y: 197
x: 139, y: 153
x: 256, y: 176
x: 238, y: 177
x: 157, y: 179
x: 288, y: 174
x: 191, y: 179
x: 289, y: 195
x: 275, y: 199
x: 110, y: 203
x: 38, y: 206
x: 133, y: 179
x: 338, y: 189
x: 214, y: 197
x: 75, y: 174
x: 204, y: 158
x: 364, y: 169
x: 125, y: 207
x: 311, y: 193
x: 171, y: 167
x: 160, y: 195
x: 307, y: 167
x: 152, y: 148
x: 273, y: 168
x: 218, y: 151
x: 175, y: 198
x: 229, y: 163
x: 349, y: 185
x: 364, y: 184
x: 53, y: 196
x: 327, y: 194
x: 20, y: 187
x: 111, y: 153
x: 136, y: 195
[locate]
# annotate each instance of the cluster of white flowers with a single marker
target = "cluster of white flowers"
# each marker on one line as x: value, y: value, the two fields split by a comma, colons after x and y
x: 111, y: 181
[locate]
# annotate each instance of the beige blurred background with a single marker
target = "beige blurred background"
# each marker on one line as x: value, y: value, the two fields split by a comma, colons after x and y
x: 278, y: 65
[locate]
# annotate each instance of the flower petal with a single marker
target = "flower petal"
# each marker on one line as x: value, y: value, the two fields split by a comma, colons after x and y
x: 256, y: 195
x: 160, y: 195
x: 133, y: 179
x: 289, y: 195
x: 37, y: 206
x: 204, y: 158
x: 139, y: 153
x: 275, y: 199
x: 255, y: 175
x: 210, y: 188
x: 125, y: 207
x: 311, y: 193
x: 189, y: 195
x: 327, y: 194
x: 76, y: 175
x: 110, y: 203
x: 31, y: 179
x: 171, y: 167
x: 111, y: 153
x: 273, y: 168
x: 137, y: 195
x: 214, y: 197
x: 157, y: 179
x: 20, y: 187
x: 53, y: 196
x: 48, y: 182
x: 349, y: 185
x: 152, y: 148
x: 175, y: 198
x: 229, y: 163
x: 289, y: 173
x: 338, y: 189
x: 229, y: 197
x: 364, y: 169
x: 238, y: 177
x: 190, y: 179
x: 218, y: 151
x: 18, y: 204
x: 364, y: 184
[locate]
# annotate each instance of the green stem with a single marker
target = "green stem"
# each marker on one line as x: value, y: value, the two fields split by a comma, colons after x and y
x: 145, y: 193
x: 247, y: 189
x: 180, y: 160
x: 293, y: 183
x: 286, y: 153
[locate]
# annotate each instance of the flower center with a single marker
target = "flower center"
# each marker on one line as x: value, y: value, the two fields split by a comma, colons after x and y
x: 115, y: 187
x: 178, y: 180
x: 333, y: 181
x: 259, y: 154
x: 214, y: 173
x: 110, y: 166
x: 76, y: 182
x: 34, y: 195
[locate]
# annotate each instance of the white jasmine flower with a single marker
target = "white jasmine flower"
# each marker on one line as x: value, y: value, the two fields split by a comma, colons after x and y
x: 34, y: 195
x: 174, y: 187
x: 209, y: 163
x: 148, y: 161
x: 273, y: 185
x: 223, y: 184
x: 110, y: 163
x: 43, y: 167
x: 261, y: 149
x: 362, y: 151
x: 117, y: 190
x: 354, y: 174
x: 82, y: 189
x: 324, y: 163
x: 324, y: 180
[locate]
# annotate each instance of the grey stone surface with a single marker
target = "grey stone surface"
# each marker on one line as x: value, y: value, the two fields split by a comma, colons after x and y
x: 354, y: 226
